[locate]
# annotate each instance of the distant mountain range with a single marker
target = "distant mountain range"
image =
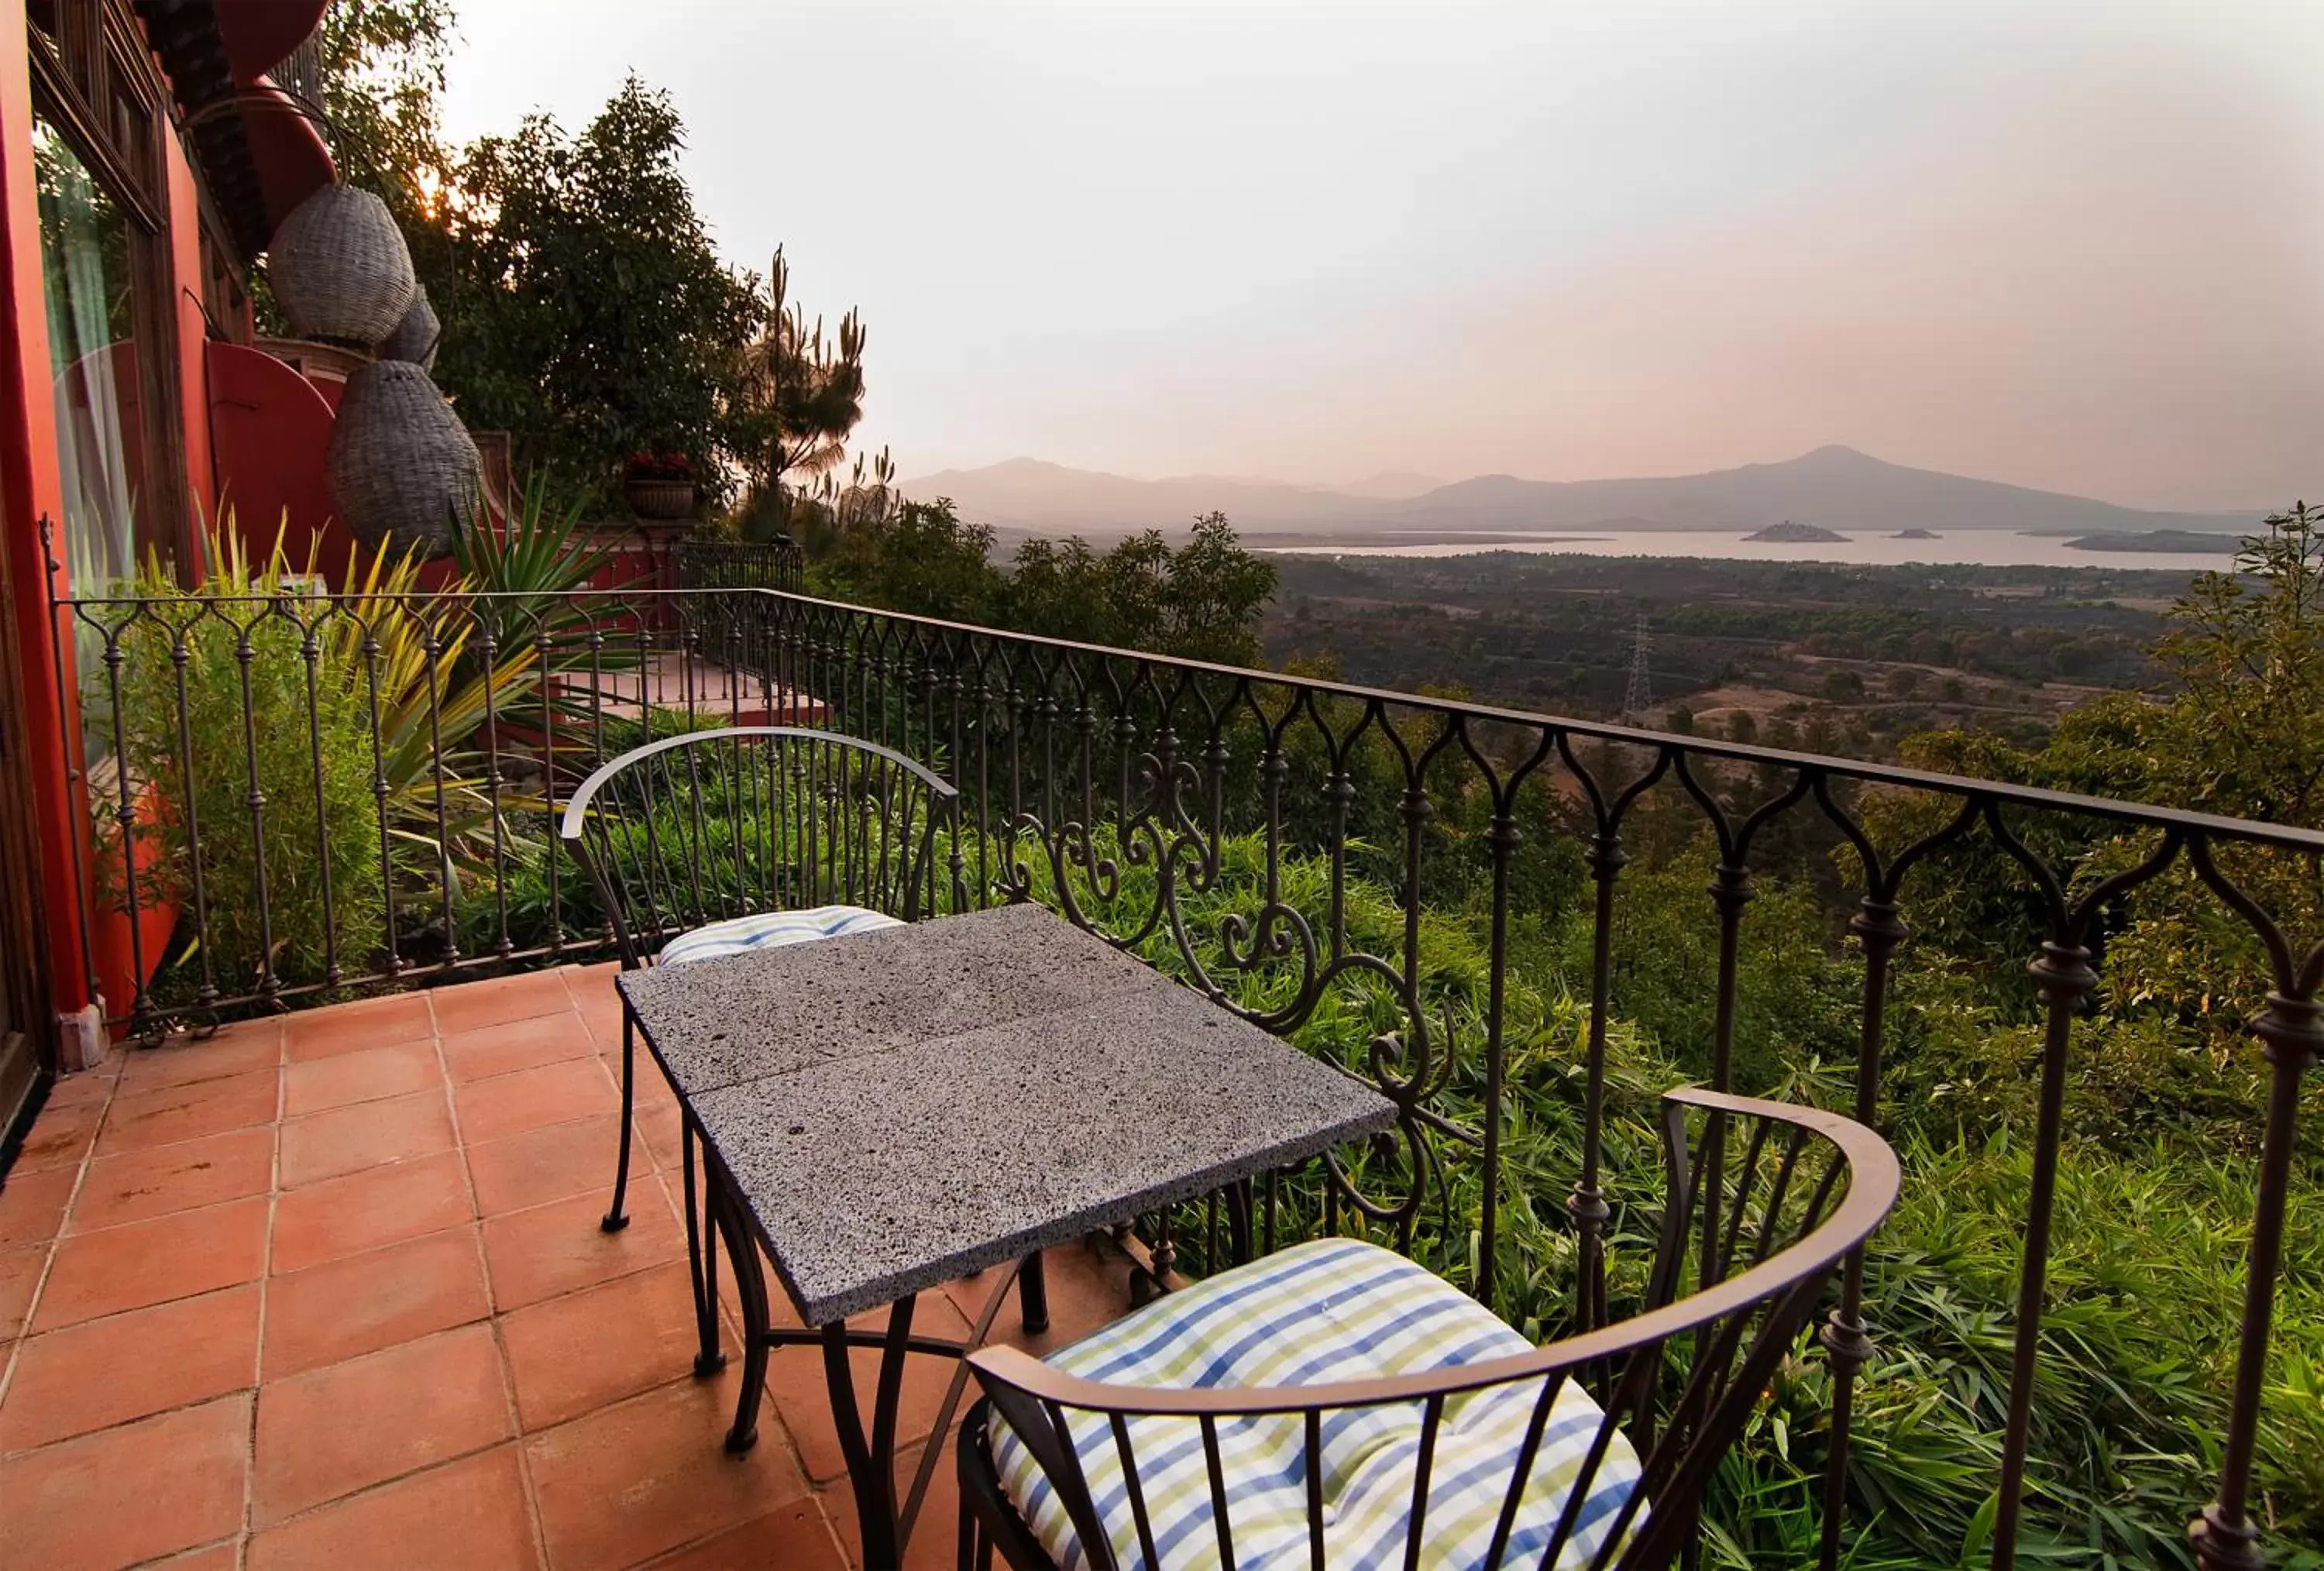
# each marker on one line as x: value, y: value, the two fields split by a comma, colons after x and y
x: 1833, y: 487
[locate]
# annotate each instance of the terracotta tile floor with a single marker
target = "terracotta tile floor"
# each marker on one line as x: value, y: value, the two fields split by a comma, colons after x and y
x: 330, y: 1290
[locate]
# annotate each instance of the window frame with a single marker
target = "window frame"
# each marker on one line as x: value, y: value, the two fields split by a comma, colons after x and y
x: 98, y: 56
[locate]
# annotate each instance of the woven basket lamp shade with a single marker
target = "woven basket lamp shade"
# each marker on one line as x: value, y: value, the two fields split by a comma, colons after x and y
x: 416, y: 337
x: 340, y: 270
x: 404, y: 470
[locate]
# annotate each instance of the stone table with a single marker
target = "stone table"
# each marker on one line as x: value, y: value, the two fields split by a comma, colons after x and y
x: 892, y: 1110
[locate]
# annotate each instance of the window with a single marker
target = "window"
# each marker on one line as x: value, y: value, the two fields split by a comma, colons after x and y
x: 85, y: 274
x: 107, y: 279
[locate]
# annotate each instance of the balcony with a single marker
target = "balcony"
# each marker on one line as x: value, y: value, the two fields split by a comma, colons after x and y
x: 1460, y: 903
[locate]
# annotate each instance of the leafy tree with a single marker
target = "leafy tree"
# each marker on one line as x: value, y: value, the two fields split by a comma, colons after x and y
x: 2240, y: 737
x: 923, y: 560
x: 590, y: 315
x: 1201, y: 600
x: 383, y: 75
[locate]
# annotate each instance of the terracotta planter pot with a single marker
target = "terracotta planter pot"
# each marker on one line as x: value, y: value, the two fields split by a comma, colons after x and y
x: 663, y: 499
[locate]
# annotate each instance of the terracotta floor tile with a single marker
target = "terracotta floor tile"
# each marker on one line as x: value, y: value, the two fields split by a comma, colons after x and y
x: 348, y: 1139
x: 143, y: 1120
x: 33, y: 1204
x: 20, y: 1273
x: 354, y: 1305
x: 129, y: 1493
x: 107, y: 1371
x: 794, y: 1382
x: 542, y: 1165
x: 151, y: 1262
x: 351, y: 1028
x: 796, y: 1537
x: 237, y: 1049
x: 586, y: 1349
x: 175, y: 1178
x: 935, y: 1544
x: 518, y: 1044
x: 365, y: 1210
x: 556, y: 1248
x: 650, y: 1474
x: 59, y: 1137
x: 659, y: 1128
x: 509, y: 1105
x: 468, y: 1515
x: 601, y: 1007
x: 371, y: 1075
x: 653, y: 1093
x: 333, y: 1432
x: 474, y: 1004
x: 85, y: 1088
x: 226, y: 1557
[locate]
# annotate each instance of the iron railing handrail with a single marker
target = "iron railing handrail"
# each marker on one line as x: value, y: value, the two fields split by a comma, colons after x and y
x: 2141, y: 814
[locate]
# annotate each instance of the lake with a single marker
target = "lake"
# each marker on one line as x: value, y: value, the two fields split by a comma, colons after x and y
x: 1990, y: 548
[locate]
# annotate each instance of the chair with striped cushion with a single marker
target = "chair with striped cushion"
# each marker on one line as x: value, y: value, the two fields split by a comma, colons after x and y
x: 1334, y: 1404
x: 712, y: 844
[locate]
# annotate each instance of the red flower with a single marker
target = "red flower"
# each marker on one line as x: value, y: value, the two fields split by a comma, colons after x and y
x: 660, y: 466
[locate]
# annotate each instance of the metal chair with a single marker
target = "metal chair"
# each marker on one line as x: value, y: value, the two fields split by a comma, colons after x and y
x: 715, y: 843
x: 1334, y: 1404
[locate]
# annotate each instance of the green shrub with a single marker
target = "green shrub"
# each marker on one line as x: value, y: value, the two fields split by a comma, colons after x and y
x: 240, y: 730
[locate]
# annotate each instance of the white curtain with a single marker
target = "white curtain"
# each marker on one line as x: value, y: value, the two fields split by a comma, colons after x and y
x: 85, y: 274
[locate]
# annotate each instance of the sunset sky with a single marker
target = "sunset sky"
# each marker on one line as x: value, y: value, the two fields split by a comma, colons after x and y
x: 2075, y: 245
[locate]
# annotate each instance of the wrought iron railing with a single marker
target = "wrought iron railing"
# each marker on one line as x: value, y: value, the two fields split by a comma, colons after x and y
x: 1370, y: 873
x: 718, y: 564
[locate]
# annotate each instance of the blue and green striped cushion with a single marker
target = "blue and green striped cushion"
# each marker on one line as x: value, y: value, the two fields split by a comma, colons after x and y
x: 1335, y: 1309
x: 772, y: 930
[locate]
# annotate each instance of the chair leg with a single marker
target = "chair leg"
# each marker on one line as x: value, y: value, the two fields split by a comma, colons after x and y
x: 1033, y: 1294
x: 615, y: 1217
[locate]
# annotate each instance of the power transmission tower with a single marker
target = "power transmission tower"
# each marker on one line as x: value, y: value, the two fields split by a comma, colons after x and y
x: 1640, y: 697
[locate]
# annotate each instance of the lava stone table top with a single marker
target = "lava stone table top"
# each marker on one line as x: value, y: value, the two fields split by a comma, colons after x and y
x: 904, y: 1107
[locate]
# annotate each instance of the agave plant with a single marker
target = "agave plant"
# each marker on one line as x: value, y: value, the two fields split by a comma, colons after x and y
x: 525, y: 575
x: 414, y: 655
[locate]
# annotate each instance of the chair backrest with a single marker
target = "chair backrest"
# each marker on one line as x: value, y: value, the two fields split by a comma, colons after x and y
x: 710, y: 825
x: 1765, y: 1202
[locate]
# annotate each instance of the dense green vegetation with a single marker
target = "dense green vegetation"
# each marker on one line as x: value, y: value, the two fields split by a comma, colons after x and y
x: 1832, y: 657
x: 1200, y: 600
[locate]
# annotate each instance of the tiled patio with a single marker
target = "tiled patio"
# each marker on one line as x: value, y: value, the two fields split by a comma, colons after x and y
x: 330, y: 1290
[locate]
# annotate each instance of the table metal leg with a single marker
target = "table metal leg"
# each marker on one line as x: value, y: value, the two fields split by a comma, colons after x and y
x: 701, y: 1258
x: 1033, y: 1294
x: 751, y: 1287
x: 871, y: 1462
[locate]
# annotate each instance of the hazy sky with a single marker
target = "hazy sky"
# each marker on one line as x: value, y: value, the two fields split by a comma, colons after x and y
x: 2072, y: 244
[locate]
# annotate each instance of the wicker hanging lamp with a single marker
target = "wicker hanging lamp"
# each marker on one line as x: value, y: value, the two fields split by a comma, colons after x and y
x: 402, y: 469
x: 340, y: 269
x: 416, y: 337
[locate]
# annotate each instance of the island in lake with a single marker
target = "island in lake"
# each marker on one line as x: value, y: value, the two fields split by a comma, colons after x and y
x: 2177, y: 541
x: 1797, y: 534
x: 1917, y: 534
